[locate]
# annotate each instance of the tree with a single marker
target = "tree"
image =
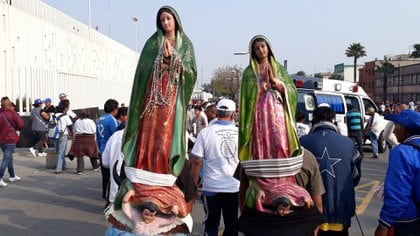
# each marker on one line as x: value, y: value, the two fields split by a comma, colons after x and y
x: 386, y: 69
x: 301, y: 73
x: 318, y: 75
x: 336, y: 77
x: 207, y: 87
x: 416, y: 52
x: 226, y: 81
x: 355, y: 50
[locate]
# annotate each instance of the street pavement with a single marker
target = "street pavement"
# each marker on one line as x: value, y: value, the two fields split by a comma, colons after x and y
x: 44, y: 203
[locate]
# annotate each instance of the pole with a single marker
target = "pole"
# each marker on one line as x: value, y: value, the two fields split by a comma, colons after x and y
x: 109, y: 18
x: 135, y: 20
x: 398, y: 84
x: 89, y: 16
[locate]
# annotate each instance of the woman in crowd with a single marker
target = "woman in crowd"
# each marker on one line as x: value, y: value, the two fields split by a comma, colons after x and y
x: 84, y: 143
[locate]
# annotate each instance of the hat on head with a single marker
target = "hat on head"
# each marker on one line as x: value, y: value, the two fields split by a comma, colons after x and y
x: 226, y: 105
x: 209, y: 105
x: 47, y: 100
x: 37, y: 102
x: 324, y: 104
x: 407, y: 118
x: 62, y: 95
x: 370, y: 110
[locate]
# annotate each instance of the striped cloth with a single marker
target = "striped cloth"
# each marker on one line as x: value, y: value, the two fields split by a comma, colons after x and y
x: 273, y: 168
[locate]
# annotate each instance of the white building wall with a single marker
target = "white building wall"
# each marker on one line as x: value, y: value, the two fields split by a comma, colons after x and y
x: 348, y: 73
x: 44, y: 52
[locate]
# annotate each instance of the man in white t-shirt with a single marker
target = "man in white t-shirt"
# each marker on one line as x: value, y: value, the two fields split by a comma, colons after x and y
x: 216, y: 148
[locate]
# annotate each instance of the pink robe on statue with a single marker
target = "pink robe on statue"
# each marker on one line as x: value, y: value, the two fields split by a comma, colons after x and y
x: 270, y: 141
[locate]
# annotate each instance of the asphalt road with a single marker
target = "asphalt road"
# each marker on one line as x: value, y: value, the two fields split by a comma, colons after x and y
x: 44, y: 203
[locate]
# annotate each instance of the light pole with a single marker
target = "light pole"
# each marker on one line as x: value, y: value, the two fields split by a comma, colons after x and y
x: 240, y: 53
x: 398, y: 84
x: 135, y: 20
x: 89, y: 16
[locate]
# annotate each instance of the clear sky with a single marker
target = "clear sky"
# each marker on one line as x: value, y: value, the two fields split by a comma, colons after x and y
x: 312, y: 35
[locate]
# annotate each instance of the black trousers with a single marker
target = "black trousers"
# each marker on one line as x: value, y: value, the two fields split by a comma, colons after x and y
x: 221, y: 203
x: 407, y: 229
x: 81, y: 163
x: 301, y: 222
x: 357, y: 137
x: 42, y: 138
x: 106, y: 173
x: 345, y: 232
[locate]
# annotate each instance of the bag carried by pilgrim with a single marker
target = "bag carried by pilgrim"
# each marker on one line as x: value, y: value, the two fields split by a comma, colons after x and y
x: 55, y: 129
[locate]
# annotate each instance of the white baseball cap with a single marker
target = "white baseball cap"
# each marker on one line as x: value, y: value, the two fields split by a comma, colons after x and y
x: 226, y: 105
x: 62, y: 95
x: 324, y: 104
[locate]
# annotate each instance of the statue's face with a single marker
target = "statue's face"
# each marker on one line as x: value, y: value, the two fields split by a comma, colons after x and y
x: 148, y: 216
x: 167, y: 21
x: 261, y: 50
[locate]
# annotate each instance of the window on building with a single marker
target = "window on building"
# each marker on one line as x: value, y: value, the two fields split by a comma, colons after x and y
x: 406, y: 97
x: 406, y: 80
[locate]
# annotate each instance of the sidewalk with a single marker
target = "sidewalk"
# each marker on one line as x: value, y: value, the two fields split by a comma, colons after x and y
x: 44, y: 203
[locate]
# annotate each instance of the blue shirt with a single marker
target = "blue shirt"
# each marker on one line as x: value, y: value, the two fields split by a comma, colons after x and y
x: 106, y: 126
x: 402, y: 184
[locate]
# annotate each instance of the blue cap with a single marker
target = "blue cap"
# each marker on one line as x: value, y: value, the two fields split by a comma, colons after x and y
x: 37, y: 102
x: 407, y: 118
x: 47, y: 100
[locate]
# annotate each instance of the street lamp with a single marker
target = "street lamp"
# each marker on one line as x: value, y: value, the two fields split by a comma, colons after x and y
x: 135, y: 20
x: 240, y: 53
x: 89, y: 16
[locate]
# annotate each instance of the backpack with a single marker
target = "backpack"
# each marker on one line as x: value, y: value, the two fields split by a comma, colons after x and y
x: 55, y: 130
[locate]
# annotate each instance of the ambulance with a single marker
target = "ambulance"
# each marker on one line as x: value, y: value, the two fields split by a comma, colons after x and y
x: 337, y: 94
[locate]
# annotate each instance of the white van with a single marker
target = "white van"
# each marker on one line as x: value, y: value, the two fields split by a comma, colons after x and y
x: 314, y: 91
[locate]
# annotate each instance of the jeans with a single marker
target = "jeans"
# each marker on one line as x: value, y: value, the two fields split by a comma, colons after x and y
x: 61, y: 153
x: 7, y: 162
x: 221, y: 203
x: 374, y: 141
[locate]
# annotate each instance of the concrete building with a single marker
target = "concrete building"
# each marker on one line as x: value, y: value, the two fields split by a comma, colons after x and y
x: 44, y: 52
x: 403, y: 84
x: 367, y: 77
x: 347, y: 71
x: 404, y: 89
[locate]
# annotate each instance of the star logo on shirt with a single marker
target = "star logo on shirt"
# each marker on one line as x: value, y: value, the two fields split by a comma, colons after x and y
x: 326, y: 163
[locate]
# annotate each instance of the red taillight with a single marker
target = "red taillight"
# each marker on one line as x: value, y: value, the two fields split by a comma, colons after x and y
x: 355, y: 89
x: 299, y: 83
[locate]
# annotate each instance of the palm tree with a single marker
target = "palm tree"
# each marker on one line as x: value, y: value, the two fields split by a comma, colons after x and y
x: 386, y: 69
x: 416, y: 52
x: 355, y: 50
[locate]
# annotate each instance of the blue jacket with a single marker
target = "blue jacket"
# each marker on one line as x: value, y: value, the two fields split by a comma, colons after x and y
x: 336, y: 156
x: 402, y: 184
x: 106, y: 126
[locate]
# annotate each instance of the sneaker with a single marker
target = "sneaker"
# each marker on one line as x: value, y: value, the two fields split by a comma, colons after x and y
x: 79, y: 173
x: 96, y: 169
x: 14, y: 179
x: 32, y: 151
x: 2, y: 183
x: 58, y: 172
x: 42, y: 154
